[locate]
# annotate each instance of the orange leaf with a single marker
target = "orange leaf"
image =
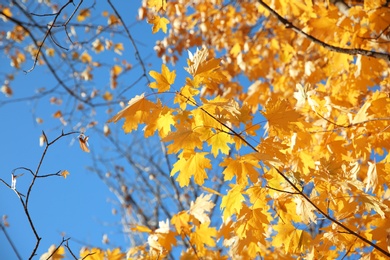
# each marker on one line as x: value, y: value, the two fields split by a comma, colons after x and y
x: 84, y: 13
x: 83, y: 141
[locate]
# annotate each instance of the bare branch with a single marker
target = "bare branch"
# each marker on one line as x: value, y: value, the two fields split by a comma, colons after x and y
x: 10, y: 242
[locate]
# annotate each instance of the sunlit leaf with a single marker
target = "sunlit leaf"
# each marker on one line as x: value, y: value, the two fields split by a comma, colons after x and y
x: 159, y: 23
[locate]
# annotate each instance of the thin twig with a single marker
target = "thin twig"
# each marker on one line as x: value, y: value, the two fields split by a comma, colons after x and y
x: 10, y: 242
x: 46, y: 35
x: 137, y: 53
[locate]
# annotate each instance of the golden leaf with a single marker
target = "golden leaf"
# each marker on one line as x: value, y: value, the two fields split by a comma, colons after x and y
x: 164, y: 80
x: 232, y: 202
x: 83, y: 14
x: 157, y: 4
x: 159, y: 23
x: 65, y: 174
x: 53, y: 253
x: 193, y: 165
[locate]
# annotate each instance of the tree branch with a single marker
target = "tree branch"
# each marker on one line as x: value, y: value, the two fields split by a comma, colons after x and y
x: 298, y: 191
x: 355, y: 51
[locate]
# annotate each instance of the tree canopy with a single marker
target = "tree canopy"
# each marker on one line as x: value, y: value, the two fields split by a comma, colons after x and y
x: 264, y: 133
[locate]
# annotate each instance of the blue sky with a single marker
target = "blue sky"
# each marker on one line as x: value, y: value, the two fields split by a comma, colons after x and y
x: 79, y: 206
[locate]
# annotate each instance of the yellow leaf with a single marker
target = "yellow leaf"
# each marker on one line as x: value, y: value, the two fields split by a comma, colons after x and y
x: 164, y: 80
x: 65, y: 174
x: 85, y: 57
x: 113, y: 20
x: 6, y: 90
x: 241, y: 167
x: 194, y: 165
x: 7, y: 12
x: 203, y: 235
x: 163, y: 238
x: 198, y: 63
x: 107, y: 96
x: 181, y: 222
x: 211, y: 191
x: 116, y: 70
x: 115, y: 254
x: 137, y: 112
x: 55, y: 254
x: 143, y: 229
x: 232, y: 202
x: 201, y: 207
x: 373, y: 4
x: 183, y: 139
x: 159, y: 23
x: 92, y: 254
x: 157, y: 4
x: 363, y: 114
x: 83, y: 14
x: 280, y: 115
x: 161, y: 120
x: 294, y: 240
x: 97, y: 46
x: 219, y: 142
x: 118, y: 48
x: 50, y: 52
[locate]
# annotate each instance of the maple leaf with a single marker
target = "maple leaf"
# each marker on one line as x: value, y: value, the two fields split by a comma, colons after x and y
x: 200, y: 208
x: 197, y: 63
x: 204, y: 71
x: 241, y: 167
x: 181, y: 222
x: 115, y: 254
x: 137, y: 112
x: 164, y: 80
x: 194, y: 164
x: 92, y: 254
x: 157, y: 4
x: 183, y: 139
x: 219, y: 142
x: 159, y: 23
x: 293, y: 239
x: 203, y: 235
x: 161, y: 120
x: 232, y: 201
x: 65, y: 174
x: 163, y: 238
x: 54, y: 253
x: 280, y: 115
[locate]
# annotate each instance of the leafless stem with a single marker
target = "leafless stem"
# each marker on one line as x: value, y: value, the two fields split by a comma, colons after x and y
x: 10, y: 241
